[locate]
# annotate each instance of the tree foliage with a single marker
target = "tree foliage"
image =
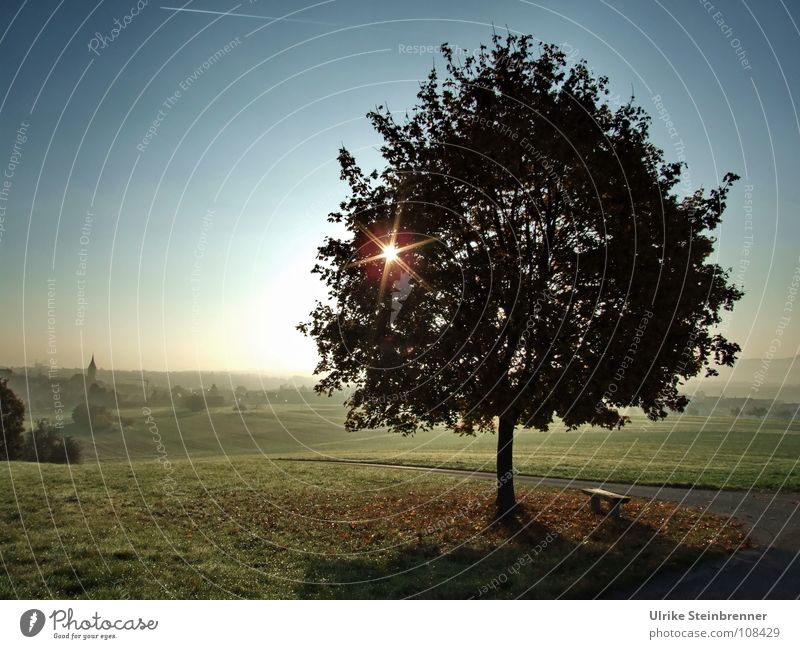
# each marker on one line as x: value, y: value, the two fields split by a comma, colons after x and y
x: 194, y: 402
x: 91, y: 416
x: 554, y: 270
x: 45, y: 443
x: 12, y: 423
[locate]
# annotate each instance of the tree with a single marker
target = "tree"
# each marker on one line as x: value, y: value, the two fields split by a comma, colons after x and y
x: 12, y: 423
x: 757, y: 411
x: 45, y: 443
x: 545, y: 263
x: 213, y: 397
x: 194, y: 402
x: 99, y: 396
x: 91, y: 416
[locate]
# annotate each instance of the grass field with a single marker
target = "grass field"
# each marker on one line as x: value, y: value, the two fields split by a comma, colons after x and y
x: 681, y: 450
x: 190, y: 505
x: 244, y: 527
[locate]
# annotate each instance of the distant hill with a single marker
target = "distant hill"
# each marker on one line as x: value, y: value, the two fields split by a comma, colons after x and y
x: 187, y: 378
x: 778, y: 378
x: 766, y: 379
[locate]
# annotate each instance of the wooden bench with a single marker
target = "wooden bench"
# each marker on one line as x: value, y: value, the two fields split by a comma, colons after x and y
x: 615, y: 501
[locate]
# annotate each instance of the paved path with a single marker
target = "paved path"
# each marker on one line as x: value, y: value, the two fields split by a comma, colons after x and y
x: 770, y: 569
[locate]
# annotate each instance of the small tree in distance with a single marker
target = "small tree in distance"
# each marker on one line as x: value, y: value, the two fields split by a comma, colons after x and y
x: 90, y: 416
x: 45, y: 443
x: 194, y: 402
x: 12, y: 423
x: 523, y: 256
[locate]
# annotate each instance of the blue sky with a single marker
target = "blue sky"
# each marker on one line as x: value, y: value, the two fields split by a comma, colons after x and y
x: 203, y: 233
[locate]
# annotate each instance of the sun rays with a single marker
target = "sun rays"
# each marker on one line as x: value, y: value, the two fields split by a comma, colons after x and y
x: 391, y: 254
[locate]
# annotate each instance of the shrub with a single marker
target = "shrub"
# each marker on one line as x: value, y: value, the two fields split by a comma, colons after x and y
x: 45, y: 443
x: 92, y: 416
x: 194, y: 402
x: 12, y: 423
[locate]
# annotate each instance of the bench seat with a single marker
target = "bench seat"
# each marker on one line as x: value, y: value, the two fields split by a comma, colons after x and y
x: 614, y: 500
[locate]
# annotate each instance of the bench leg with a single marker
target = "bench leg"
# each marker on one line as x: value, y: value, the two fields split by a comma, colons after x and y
x: 616, y: 509
x: 594, y: 505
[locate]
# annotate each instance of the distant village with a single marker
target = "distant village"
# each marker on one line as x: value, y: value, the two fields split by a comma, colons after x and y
x: 74, y: 396
x: 94, y: 395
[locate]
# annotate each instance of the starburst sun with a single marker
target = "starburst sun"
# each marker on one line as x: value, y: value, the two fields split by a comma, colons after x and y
x: 390, y: 252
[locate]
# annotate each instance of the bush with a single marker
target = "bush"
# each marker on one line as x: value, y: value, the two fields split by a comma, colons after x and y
x: 45, y: 443
x: 194, y: 402
x: 757, y: 411
x: 92, y: 416
x: 12, y: 423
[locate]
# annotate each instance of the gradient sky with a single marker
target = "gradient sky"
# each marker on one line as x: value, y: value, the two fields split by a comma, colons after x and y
x: 199, y: 250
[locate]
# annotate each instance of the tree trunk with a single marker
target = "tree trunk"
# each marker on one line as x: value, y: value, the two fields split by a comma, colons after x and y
x: 506, y: 500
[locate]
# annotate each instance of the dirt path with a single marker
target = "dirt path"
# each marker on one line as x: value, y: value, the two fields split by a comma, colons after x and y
x: 771, y: 569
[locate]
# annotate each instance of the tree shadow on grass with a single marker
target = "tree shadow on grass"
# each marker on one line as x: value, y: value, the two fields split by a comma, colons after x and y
x: 435, y: 566
x: 626, y: 553
x: 516, y: 559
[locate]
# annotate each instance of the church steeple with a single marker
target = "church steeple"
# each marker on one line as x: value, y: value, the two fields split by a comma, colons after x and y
x: 91, y: 371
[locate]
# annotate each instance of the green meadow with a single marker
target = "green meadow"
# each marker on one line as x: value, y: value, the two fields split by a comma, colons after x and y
x: 218, y: 504
x: 242, y: 527
x: 716, y: 452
